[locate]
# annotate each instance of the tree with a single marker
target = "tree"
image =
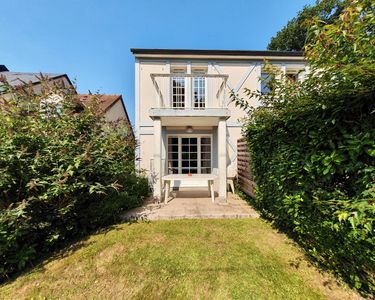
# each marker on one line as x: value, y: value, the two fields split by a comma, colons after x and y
x: 293, y: 36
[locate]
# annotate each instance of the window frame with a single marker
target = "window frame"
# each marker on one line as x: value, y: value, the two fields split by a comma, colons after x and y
x: 198, y: 72
x: 178, y: 72
x: 199, y: 152
x: 173, y: 78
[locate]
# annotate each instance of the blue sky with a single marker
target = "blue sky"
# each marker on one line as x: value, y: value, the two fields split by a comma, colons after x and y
x: 90, y: 40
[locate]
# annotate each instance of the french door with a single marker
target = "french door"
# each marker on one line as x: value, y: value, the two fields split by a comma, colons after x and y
x: 199, y: 92
x: 178, y: 92
x: 189, y: 154
x: 182, y: 98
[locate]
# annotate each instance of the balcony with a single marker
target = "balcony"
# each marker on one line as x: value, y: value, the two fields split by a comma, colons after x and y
x: 190, y: 95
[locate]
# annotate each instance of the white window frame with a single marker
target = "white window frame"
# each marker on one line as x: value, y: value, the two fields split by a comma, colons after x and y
x: 183, y: 135
x: 185, y: 91
x: 205, y: 92
x: 196, y: 70
x: 178, y: 71
x: 51, y: 106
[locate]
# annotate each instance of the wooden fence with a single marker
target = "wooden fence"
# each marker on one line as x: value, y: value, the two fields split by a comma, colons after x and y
x: 245, y: 176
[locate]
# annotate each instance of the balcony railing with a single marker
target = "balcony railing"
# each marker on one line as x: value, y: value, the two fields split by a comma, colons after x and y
x: 190, y: 91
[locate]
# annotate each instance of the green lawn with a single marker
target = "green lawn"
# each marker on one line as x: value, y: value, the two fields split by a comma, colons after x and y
x: 183, y: 259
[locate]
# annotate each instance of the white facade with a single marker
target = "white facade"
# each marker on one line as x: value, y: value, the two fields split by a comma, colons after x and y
x: 185, y: 122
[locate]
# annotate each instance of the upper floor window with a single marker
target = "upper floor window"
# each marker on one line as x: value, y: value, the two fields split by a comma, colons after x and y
x: 178, y: 87
x: 266, y: 85
x: 178, y: 92
x: 292, y: 77
x: 199, y: 87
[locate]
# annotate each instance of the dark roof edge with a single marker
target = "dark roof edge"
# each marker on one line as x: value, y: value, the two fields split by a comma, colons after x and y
x: 57, y: 76
x: 216, y: 52
x: 67, y: 78
x: 3, y: 68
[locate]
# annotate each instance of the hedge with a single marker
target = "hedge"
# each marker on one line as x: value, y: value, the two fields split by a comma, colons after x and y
x: 312, y: 146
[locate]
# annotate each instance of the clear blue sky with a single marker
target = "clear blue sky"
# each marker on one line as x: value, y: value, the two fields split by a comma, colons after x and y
x: 90, y: 39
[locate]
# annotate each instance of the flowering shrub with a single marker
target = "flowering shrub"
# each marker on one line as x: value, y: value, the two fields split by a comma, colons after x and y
x: 64, y: 171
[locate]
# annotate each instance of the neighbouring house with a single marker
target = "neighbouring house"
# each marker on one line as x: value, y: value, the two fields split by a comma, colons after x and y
x: 185, y: 122
x: 112, y: 106
x: 34, y: 79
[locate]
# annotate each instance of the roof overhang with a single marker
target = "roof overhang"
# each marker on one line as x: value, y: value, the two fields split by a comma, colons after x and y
x: 218, y: 54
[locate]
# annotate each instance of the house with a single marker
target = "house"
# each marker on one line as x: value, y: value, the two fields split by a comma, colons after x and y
x: 34, y: 79
x: 185, y: 122
x: 112, y: 106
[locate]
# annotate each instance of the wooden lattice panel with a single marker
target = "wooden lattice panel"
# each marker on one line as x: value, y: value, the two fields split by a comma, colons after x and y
x: 245, y: 176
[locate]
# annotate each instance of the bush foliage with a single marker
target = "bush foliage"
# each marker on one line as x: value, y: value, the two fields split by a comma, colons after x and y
x: 64, y: 171
x: 313, y: 147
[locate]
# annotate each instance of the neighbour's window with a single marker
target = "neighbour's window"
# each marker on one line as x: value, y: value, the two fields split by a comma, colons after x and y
x: 51, y: 106
x: 292, y: 77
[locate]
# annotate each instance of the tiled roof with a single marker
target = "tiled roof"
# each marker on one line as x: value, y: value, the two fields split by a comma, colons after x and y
x: 105, y: 101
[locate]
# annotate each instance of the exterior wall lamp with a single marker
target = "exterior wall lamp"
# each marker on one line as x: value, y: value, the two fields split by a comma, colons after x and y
x: 189, y: 129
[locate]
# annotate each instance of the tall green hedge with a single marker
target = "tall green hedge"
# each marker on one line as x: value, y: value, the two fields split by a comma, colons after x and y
x: 313, y: 148
x: 64, y: 171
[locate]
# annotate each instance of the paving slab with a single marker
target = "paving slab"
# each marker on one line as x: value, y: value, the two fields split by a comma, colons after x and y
x: 192, y: 203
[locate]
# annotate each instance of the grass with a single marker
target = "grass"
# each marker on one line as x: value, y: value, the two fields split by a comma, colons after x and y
x: 182, y: 259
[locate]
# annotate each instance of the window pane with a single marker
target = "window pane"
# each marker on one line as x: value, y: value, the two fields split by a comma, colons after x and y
x: 206, y: 155
x: 206, y: 141
x: 266, y: 85
x: 199, y: 92
x: 174, y: 156
x: 193, y: 156
x: 206, y: 171
x: 193, y: 148
x: 205, y: 148
x: 293, y: 77
x: 206, y: 163
x: 178, y: 92
x: 172, y: 148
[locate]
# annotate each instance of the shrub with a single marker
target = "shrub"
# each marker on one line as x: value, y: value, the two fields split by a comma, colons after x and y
x: 313, y: 148
x: 64, y: 171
